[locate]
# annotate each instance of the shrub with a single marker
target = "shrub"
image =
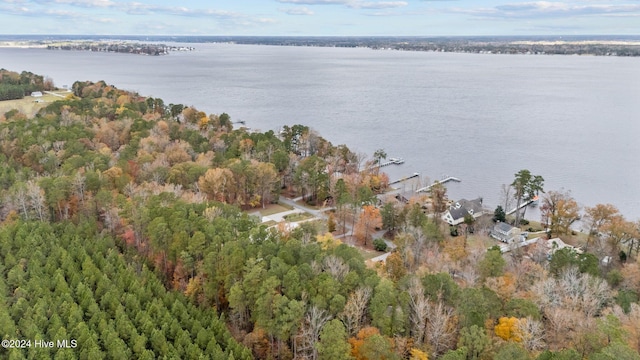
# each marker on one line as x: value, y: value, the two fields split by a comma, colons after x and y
x: 614, y: 278
x: 379, y: 245
x: 453, y: 230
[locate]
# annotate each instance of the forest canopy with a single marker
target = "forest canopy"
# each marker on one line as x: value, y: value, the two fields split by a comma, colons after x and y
x: 128, y: 226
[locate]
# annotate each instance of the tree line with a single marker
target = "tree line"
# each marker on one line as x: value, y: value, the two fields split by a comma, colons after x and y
x: 16, y: 86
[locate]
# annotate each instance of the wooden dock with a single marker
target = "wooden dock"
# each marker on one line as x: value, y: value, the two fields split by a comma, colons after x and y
x: 392, y: 161
x: 443, y: 181
x: 526, y: 203
x: 404, y: 178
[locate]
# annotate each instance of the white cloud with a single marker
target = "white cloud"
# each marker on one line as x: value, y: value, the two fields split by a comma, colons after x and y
x: 316, y: 2
x: 297, y: 11
x: 377, y: 4
x: 354, y: 4
x: 546, y: 9
x: 79, y: 3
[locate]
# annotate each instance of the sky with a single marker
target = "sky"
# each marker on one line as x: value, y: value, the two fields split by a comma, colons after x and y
x: 321, y: 17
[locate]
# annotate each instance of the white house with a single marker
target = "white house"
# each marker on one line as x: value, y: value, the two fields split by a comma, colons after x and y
x: 36, y: 94
x: 456, y: 213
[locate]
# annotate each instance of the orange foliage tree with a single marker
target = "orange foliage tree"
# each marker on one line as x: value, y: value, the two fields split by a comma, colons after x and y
x: 417, y: 354
x: 368, y: 221
x: 360, y: 339
x: 507, y: 329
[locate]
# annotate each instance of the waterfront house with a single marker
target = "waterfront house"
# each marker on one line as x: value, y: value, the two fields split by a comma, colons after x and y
x: 505, y: 232
x: 458, y: 210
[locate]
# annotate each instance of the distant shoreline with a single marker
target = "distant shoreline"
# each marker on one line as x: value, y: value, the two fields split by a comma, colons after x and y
x: 623, y: 46
x: 21, y: 45
x: 113, y: 46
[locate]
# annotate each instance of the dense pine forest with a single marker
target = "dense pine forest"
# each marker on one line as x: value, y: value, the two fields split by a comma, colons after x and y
x: 129, y: 229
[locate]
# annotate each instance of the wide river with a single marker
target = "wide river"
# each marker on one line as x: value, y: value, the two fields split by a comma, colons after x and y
x: 575, y: 120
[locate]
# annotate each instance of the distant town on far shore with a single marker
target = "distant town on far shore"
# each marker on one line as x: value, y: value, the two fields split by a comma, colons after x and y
x: 536, y: 45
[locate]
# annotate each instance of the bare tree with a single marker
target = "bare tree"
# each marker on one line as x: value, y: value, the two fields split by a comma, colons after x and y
x: 36, y: 199
x: 336, y: 267
x: 353, y: 313
x: 525, y: 271
x: 418, y: 310
x: 19, y: 196
x: 79, y: 185
x: 573, y: 290
x: 309, y: 335
x: 441, y: 327
x: 506, y: 196
x: 561, y: 324
x: 531, y: 333
x: 418, y: 245
x: 583, y: 291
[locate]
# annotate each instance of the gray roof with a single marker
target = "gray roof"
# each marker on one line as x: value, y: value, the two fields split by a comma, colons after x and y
x: 458, y: 213
x: 503, y: 226
x: 475, y: 205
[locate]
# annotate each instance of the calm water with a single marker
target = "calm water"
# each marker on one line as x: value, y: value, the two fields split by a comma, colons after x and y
x: 574, y: 120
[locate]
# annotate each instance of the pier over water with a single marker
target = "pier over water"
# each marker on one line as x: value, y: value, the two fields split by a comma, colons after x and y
x: 391, y: 161
x: 443, y: 181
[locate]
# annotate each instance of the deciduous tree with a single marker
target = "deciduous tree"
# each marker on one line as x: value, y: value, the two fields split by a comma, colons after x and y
x: 597, y: 217
x: 619, y: 231
x: 507, y: 329
x: 368, y: 221
x: 354, y: 311
x: 438, y: 200
x: 559, y: 211
x: 441, y: 327
x: 218, y: 184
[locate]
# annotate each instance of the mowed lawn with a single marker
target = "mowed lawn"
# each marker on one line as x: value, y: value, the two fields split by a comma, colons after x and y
x: 270, y: 210
x: 30, y: 105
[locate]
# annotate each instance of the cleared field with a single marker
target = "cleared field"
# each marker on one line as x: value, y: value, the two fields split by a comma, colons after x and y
x: 298, y: 217
x: 368, y: 254
x: 30, y: 105
x: 271, y: 209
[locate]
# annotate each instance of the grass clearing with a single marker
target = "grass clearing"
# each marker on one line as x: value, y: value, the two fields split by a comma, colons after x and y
x: 368, y: 254
x: 30, y: 105
x: 270, y: 210
x: 480, y: 241
x: 298, y: 217
x: 319, y: 206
